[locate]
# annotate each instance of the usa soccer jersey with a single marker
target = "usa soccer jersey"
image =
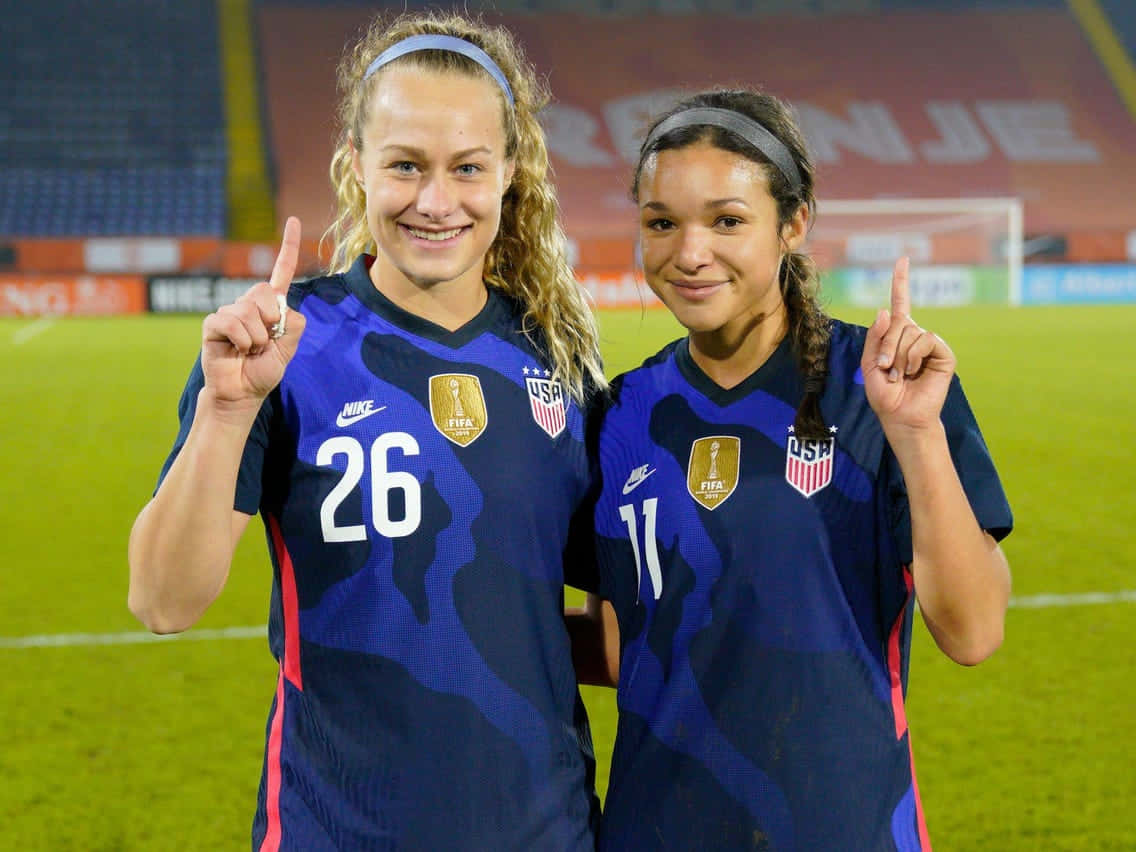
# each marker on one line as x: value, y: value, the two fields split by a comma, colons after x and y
x: 417, y: 487
x: 764, y: 598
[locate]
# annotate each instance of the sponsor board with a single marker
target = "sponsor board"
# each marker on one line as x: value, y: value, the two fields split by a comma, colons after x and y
x: 931, y: 286
x: 1079, y: 284
x: 190, y: 294
x: 71, y: 295
x: 142, y: 255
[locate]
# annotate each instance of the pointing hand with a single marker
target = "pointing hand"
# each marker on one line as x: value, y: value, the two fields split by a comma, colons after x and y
x: 243, y: 353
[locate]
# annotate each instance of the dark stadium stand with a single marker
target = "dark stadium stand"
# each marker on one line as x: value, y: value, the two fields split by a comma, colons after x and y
x: 1019, y: 104
x: 111, y: 123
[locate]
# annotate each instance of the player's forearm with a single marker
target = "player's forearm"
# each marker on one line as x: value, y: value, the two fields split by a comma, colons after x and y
x: 594, y: 632
x: 182, y: 543
x: 962, y: 580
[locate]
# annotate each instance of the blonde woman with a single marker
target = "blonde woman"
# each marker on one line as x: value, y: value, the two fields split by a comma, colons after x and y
x: 410, y: 429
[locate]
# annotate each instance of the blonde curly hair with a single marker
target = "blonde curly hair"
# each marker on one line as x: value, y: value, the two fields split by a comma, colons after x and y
x: 527, y: 259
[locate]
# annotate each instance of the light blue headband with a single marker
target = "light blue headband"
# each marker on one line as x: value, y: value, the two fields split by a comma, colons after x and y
x: 442, y: 42
x: 740, y: 125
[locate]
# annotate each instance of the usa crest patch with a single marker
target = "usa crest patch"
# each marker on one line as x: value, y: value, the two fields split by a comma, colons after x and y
x: 546, y: 399
x: 808, y: 463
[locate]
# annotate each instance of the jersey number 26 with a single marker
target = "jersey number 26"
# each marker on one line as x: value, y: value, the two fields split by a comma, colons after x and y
x: 383, y: 481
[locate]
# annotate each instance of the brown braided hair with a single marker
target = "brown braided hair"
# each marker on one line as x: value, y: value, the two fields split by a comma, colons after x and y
x: 809, y: 325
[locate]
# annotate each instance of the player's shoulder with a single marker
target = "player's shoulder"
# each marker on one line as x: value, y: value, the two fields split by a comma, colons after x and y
x: 505, y: 316
x: 330, y: 288
x: 647, y: 377
x: 844, y: 403
x: 618, y: 410
x: 845, y: 350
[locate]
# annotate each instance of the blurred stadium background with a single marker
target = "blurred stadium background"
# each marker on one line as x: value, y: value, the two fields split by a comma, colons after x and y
x: 150, y: 151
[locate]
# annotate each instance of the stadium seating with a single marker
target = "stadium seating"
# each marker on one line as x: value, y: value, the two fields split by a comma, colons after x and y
x: 111, y: 122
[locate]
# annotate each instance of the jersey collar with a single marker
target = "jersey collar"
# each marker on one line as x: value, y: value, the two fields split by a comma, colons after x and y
x: 772, y: 376
x: 360, y: 284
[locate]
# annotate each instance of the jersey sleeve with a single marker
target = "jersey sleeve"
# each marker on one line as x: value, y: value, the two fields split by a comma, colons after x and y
x: 249, y: 477
x: 581, y: 560
x: 580, y: 566
x: 975, y: 468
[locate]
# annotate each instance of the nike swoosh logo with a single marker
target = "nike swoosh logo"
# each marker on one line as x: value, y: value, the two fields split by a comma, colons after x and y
x: 638, y: 476
x: 342, y: 421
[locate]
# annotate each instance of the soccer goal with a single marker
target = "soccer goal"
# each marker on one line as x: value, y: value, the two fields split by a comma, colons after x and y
x: 963, y: 251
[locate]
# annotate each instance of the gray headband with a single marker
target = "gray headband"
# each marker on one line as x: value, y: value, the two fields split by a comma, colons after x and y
x: 741, y: 125
x: 451, y: 44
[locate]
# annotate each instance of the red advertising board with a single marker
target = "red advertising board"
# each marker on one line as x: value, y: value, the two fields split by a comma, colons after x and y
x: 71, y: 295
x: 915, y: 104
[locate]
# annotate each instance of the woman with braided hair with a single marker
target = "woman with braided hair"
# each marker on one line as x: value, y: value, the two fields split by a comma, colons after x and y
x: 410, y: 427
x: 776, y: 489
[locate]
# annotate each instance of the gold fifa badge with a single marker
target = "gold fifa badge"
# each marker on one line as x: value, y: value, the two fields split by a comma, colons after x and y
x: 457, y: 406
x: 712, y: 474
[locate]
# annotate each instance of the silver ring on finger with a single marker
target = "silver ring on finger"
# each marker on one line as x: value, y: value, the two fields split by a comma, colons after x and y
x: 281, y: 325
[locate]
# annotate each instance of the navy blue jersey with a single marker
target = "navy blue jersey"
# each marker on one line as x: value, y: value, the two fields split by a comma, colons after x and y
x: 417, y: 487
x: 764, y: 601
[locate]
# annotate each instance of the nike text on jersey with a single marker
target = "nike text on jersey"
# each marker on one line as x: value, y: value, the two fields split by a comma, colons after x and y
x: 353, y: 412
x: 636, y: 477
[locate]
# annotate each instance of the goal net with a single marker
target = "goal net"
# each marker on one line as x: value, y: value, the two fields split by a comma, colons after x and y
x: 963, y: 251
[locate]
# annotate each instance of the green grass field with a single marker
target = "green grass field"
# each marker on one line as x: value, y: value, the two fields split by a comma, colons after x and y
x: 158, y: 746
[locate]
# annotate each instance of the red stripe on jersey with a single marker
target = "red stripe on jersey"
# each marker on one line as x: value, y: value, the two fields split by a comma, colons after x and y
x: 291, y: 662
x: 895, y: 669
x: 271, y: 842
x: 920, y: 819
x: 895, y: 664
x: 551, y: 418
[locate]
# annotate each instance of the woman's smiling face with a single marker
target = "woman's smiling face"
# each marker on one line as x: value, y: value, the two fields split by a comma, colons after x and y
x: 711, y: 244
x: 434, y: 169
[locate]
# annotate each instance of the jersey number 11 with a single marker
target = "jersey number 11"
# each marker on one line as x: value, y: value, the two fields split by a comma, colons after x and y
x: 627, y: 512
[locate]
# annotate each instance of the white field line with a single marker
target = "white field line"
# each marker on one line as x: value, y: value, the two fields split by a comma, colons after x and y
x: 31, y: 330
x: 1085, y: 599
x: 134, y: 637
x: 139, y: 637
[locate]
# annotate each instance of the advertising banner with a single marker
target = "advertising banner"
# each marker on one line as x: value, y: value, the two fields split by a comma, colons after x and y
x: 931, y: 286
x: 193, y: 294
x: 71, y: 295
x: 903, y: 104
x: 1079, y: 284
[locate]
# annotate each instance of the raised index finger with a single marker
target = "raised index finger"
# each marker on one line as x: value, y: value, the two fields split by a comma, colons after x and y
x: 289, y: 257
x: 900, y: 294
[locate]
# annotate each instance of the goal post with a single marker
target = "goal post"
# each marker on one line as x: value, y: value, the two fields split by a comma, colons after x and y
x: 963, y: 250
